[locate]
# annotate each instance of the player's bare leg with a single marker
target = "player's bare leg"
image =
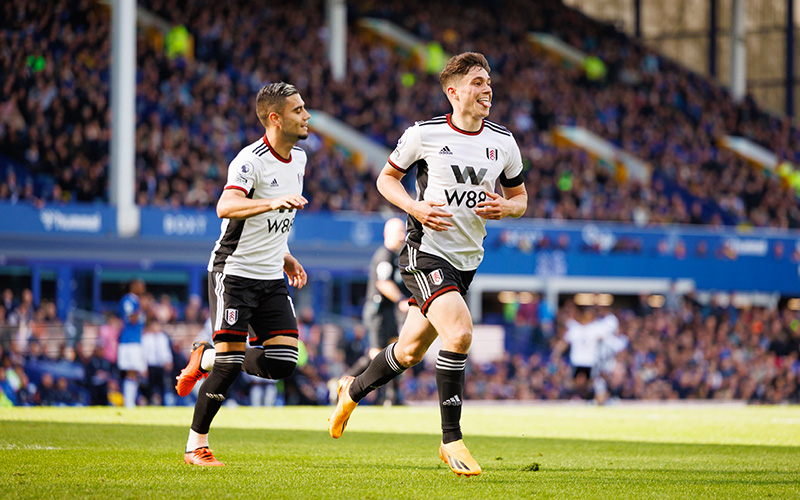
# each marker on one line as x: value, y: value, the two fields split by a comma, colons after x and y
x: 416, y: 336
x: 451, y: 318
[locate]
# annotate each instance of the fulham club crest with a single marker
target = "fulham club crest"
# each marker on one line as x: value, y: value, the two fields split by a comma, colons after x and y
x: 491, y: 154
x: 436, y: 277
x: 231, y: 315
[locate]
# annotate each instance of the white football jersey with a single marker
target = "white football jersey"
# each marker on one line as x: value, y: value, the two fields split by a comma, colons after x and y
x: 586, y: 341
x: 254, y: 247
x: 458, y: 168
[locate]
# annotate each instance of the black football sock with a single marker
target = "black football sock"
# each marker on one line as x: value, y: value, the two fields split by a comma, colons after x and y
x: 450, y: 382
x: 359, y: 366
x: 383, y: 368
x: 227, y: 366
x: 273, y: 362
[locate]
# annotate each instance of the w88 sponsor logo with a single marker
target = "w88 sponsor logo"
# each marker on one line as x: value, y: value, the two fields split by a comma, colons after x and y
x: 467, y: 198
x: 280, y: 225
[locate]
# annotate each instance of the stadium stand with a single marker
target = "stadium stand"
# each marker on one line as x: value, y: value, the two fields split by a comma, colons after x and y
x: 193, y: 114
x: 689, y: 351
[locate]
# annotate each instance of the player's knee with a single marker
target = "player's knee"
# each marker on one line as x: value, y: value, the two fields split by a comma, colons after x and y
x: 408, y: 357
x: 461, y: 340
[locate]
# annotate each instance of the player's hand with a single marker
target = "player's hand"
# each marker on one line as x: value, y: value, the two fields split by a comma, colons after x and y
x: 431, y: 216
x: 288, y: 202
x: 294, y: 272
x: 403, y: 306
x: 495, y: 208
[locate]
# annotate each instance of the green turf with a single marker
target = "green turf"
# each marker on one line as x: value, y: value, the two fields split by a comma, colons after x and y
x: 580, y: 452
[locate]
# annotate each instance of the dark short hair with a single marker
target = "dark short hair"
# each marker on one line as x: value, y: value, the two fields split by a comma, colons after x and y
x: 271, y: 98
x: 460, y: 65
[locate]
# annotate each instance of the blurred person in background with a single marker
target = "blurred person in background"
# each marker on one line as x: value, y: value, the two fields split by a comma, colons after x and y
x: 585, y: 337
x: 164, y: 311
x: 98, y: 374
x: 385, y: 297
x: 108, y: 337
x: 130, y: 358
x: 157, y: 349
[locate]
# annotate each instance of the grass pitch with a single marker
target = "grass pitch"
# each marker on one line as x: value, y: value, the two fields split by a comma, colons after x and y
x: 570, y: 451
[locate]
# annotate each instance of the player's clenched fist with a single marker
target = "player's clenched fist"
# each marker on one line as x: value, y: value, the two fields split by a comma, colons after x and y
x: 495, y: 208
x: 289, y: 201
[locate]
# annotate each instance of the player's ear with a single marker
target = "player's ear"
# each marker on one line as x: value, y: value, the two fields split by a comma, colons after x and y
x: 275, y: 119
x: 452, y: 94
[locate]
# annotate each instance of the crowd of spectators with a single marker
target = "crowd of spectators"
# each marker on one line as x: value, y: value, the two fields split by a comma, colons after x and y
x: 685, y: 350
x: 46, y: 361
x: 193, y: 114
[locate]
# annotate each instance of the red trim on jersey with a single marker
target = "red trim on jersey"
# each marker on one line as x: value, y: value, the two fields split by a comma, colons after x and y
x: 283, y: 332
x: 413, y: 302
x: 427, y: 303
x: 236, y: 187
x: 450, y: 122
x: 276, y: 155
x: 230, y: 332
x: 288, y: 333
x: 395, y: 166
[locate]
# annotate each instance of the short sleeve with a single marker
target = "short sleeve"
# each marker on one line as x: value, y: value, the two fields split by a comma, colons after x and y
x: 572, y: 330
x: 512, y: 171
x: 128, y: 307
x: 384, y: 270
x: 408, y: 150
x: 241, y: 175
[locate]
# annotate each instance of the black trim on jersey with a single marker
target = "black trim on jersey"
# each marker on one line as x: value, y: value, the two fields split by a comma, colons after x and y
x: 274, y: 153
x: 496, y: 127
x: 434, y: 121
x: 261, y: 149
x: 414, y: 227
x: 299, y: 149
x: 465, y: 132
x: 230, y: 240
x: 513, y: 182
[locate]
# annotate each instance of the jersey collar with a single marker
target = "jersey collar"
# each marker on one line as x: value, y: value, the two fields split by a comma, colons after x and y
x: 279, y: 157
x: 450, y: 122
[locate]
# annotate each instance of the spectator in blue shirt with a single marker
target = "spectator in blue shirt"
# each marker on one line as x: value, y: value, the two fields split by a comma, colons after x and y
x: 130, y: 359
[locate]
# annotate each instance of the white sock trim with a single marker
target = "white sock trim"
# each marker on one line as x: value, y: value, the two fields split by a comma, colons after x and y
x: 207, y: 360
x: 196, y: 441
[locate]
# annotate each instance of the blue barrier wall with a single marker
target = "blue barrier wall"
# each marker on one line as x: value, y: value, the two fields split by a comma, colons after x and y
x: 723, y: 259
x: 58, y: 219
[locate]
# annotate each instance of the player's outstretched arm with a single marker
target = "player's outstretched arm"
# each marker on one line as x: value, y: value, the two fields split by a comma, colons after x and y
x: 233, y: 204
x: 427, y: 212
x: 294, y: 271
x: 513, y: 203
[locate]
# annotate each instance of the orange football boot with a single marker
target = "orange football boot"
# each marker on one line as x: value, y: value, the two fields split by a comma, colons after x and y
x: 458, y: 458
x: 344, y: 408
x: 203, y: 457
x: 192, y: 373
